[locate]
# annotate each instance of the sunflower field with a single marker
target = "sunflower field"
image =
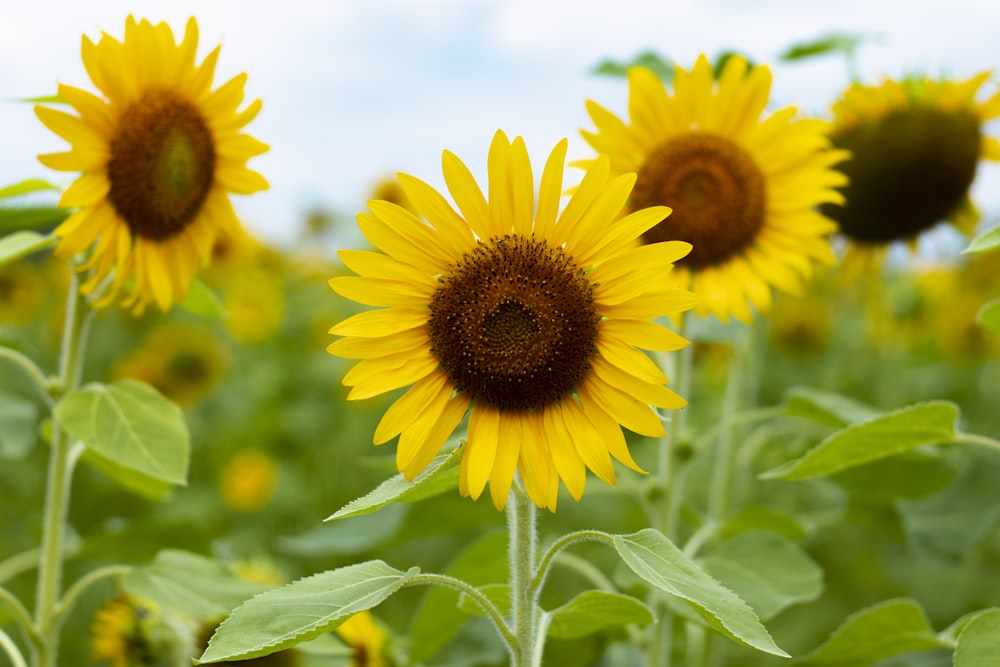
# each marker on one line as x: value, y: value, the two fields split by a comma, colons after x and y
x: 696, y: 396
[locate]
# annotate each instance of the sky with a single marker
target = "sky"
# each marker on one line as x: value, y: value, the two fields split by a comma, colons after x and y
x: 356, y: 90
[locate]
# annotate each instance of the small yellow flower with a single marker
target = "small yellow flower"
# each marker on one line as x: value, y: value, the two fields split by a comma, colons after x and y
x: 744, y: 188
x: 366, y: 638
x: 160, y: 152
x: 248, y: 481
x: 528, y: 319
x: 132, y: 632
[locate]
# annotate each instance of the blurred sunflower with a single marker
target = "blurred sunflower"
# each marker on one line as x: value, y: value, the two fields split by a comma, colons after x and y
x: 130, y: 632
x: 248, y: 481
x: 365, y: 638
x: 528, y: 318
x: 160, y: 153
x: 801, y: 327
x: 744, y: 190
x: 915, y: 147
x: 184, y: 362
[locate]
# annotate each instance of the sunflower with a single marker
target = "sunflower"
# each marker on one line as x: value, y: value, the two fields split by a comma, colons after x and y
x: 743, y: 189
x: 248, y: 480
x: 159, y: 152
x: 915, y: 147
x: 366, y: 639
x: 132, y: 632
x: 527, y: 318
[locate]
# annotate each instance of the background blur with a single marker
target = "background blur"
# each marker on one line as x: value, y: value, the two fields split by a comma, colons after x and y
x: 355, y: 91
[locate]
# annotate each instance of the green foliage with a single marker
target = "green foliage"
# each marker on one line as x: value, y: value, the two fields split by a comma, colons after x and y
x: 826, y: 408
x: 19, y: 244
x: 281, y: 618
x: 201, y: 300
x: 989, y: 316
x: 979, y: 640
x: 130, y: 424
x: 190, y: 583
x: 768, y: 571
x: 26, y: 187
x: 357, y: 535
x: 987, y: 241
x: 18, y: 425
x: 31, y: 217
x: 878, y: 632
x: 834, y: 42
x: 893, y: 433
x: 593, y: 611
x: 656, y: 560
x: 651, y: 60
x: 439, y: 476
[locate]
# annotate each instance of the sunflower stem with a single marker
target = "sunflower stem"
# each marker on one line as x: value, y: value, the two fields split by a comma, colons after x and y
x: 522, y: 530
x: 57, y: 489
x: 10, y: 648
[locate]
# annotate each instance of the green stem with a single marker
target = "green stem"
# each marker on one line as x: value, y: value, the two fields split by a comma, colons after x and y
x: 10, y: 648
x: 21, y: 614
x: 490, y: 609
x: 521, y: 528
x: 566, y: 540
x: 974, y: 439
x: 85, y: 582
x: 34, y: 373
x: 722, y: 473
x: 727, y: 423
x: 18, y: 563
x: 58, y: 482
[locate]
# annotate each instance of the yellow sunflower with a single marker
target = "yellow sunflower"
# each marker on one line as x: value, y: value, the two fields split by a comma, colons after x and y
x: 132, y: 632
x: 365, y: 638
x: 526, y: 317
x: 248, y: 480
x: 744, y: 189
x: 915, y: 147
x: 159, y: 152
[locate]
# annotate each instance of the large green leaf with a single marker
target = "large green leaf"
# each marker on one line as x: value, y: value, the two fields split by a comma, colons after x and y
x: 988, y: 241
x: 31, y: 217
x: 26, y: 186
x: 302, y: 610
x: 979, y: 641
x: 884, y: 436
x: 141, y: 484
x: 826, y: 408
x: 190, y: 583
x: 768, y: 571
x: 438, y: 618
x: 130, y: 423
x: 439, y: 476
x: 17, y: 245
x: 593, y: 611
x: 912, y: 474
x: 876, y: 633
x: 653, y: 557
x: 989, y: 316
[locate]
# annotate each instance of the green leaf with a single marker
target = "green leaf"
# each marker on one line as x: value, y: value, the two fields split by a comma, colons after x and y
x: 18, y: 425
x: 17, y: 245
x: 31, y: 217
x: 768, y: 571
x: 989, y: 316
x: 190, y: 584
x: 876, y: 633
x: 834, y: 42
x: 201, y: 300
x: 302, y: 610
x: 652, y: 61
x: 593, y: 611
x: 884, y: 436
x: 438, y: 618
x: 498, y: 594
x: 440, y: 476
x: 653, y: 557
x: 130, y: 423
x: 43, y: 99
x: 826, y: 408
x: 138, y: 483
x: 912, y: 474
x: 26, y: 187
x: 353, y: 536
x: 988, y: 241
x: 979, y: 641
x: 723, y: 58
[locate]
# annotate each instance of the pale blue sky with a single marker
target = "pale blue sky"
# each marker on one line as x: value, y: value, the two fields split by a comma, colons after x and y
x: 356, y: 90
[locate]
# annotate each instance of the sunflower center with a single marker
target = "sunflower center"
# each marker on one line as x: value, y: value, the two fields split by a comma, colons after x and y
x: 514, y: 324
x: 908, y: 171
x: 162, y: 165
x: 716, y: 190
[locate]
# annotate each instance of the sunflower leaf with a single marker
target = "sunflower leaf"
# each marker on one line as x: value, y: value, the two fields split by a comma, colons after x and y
x: 190, y: 583
x: 652, y: 61
x: 131, y: 424
x: 988, y: 241
x: 17, y: 245
x: 31, y: 217
x: 439, y: 476
x: 655, y: 559
x: 833, y: 42
x: 878, y: 438
x: 593, y: 611
x: 826, y: 408
x: 979, y: 640
x: 201, y: 300
x: 989, y: 316
x: 878, y: 632
x: 284, y: 617
x: 25, y: 187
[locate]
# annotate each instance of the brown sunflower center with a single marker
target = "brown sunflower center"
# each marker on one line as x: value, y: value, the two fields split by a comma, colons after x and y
x: 162, y: 165
x: 514, y: 324
x: 907, y: 172
x: 716, y: 190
